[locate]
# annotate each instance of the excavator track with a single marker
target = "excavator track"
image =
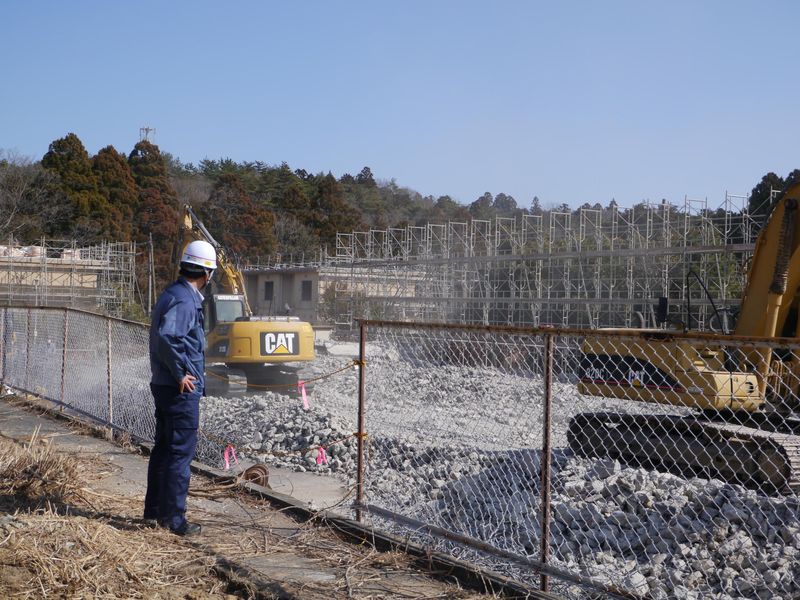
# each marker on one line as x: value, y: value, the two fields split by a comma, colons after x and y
x: 754, y: 454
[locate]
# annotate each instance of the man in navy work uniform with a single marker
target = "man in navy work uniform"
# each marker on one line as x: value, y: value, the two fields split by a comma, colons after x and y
x: 177, y: 343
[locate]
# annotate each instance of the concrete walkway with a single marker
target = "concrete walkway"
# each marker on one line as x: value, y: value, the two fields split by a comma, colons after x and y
x: 290, y: 570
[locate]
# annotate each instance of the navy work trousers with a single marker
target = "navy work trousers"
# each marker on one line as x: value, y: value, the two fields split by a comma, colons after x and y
x: 177, y: 421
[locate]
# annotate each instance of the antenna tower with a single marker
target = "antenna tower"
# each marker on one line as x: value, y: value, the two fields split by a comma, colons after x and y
x: 144, y: 133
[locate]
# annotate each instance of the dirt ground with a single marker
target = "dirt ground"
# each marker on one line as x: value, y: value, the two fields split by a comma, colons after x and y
x: 64, y: 533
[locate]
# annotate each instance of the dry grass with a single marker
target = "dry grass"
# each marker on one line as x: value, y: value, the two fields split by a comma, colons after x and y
x: 35, y: 473
x: 50, y: 548
x: 56, y: 556
x: 60, y: 538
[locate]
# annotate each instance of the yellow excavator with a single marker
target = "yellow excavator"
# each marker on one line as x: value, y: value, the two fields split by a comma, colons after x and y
x: 264, y: 348
x: 744, y: 427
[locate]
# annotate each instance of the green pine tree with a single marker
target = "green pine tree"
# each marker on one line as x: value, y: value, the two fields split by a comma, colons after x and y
x: 118, y: 186
x: 89, y: 216
x: 331, y: 213
x: 294, y: 201
x: 239, y: 224
x: 761, y: 202
x: 158, y: 210
x: 482, y: 207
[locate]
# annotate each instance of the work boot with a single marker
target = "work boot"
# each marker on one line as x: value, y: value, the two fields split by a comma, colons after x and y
x: 151, y: 523
x: 187, y: 529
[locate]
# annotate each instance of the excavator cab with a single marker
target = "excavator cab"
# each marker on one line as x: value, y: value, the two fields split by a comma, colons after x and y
x: 222, y: 308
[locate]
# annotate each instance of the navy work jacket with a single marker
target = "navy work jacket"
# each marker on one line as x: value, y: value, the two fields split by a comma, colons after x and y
x: 177, y: 339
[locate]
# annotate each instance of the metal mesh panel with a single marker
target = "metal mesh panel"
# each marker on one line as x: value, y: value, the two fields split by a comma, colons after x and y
x: 455, y: 432
x: 86, y: 380
x: 16, y: 347
x: 130, y: 376
x: 2, y: 343
x: 46, y: 352
x: 657, y: 485
x: 699, y: 501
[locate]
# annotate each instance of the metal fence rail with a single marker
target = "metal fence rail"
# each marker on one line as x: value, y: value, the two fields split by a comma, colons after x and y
x: 575, y: 458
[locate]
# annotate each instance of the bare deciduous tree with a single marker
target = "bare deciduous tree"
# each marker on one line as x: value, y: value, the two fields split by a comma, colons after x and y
x: 26, y: 202
x: 191, y: 190
x: 295, y: 238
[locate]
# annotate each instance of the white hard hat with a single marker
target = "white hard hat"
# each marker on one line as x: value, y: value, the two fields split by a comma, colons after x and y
x: 200, y: 253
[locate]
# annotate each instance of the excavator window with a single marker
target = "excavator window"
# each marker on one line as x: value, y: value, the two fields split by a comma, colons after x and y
x: 228, y: 310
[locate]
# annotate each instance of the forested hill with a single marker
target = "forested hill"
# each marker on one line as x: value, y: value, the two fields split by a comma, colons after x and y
x: 254, y: 208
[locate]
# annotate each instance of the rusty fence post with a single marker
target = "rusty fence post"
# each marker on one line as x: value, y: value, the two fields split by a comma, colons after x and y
x: 28, y: 343
x: 544, y: 580
x: 362, y: 368
x: 108, y: 368
x: 64, y: 359
x: 3, y: 347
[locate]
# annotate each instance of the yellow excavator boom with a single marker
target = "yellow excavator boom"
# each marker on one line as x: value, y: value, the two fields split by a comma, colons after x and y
x: 774, y: 275
x: 228, y: 277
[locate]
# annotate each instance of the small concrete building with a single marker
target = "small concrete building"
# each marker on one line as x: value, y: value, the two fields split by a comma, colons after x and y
x: 293, y: 291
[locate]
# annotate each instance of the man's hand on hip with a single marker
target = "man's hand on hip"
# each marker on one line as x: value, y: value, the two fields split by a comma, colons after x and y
x: 187, y: 383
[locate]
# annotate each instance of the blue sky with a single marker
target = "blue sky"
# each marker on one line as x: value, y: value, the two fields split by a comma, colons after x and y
x: 569, y: 101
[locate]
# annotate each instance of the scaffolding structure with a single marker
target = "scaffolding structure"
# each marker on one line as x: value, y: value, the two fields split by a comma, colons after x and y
x: 588, y: 268
x: 61, y: 273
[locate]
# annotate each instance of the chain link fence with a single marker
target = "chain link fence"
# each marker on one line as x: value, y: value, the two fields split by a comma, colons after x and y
x: 640, y: 465
x: 647, y: 465
x: 95, y: 365
x: 99, y: 367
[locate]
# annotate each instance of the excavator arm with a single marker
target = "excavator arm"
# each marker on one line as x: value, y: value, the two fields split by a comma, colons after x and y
x: 227, y: 276
x: 770, y: 296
